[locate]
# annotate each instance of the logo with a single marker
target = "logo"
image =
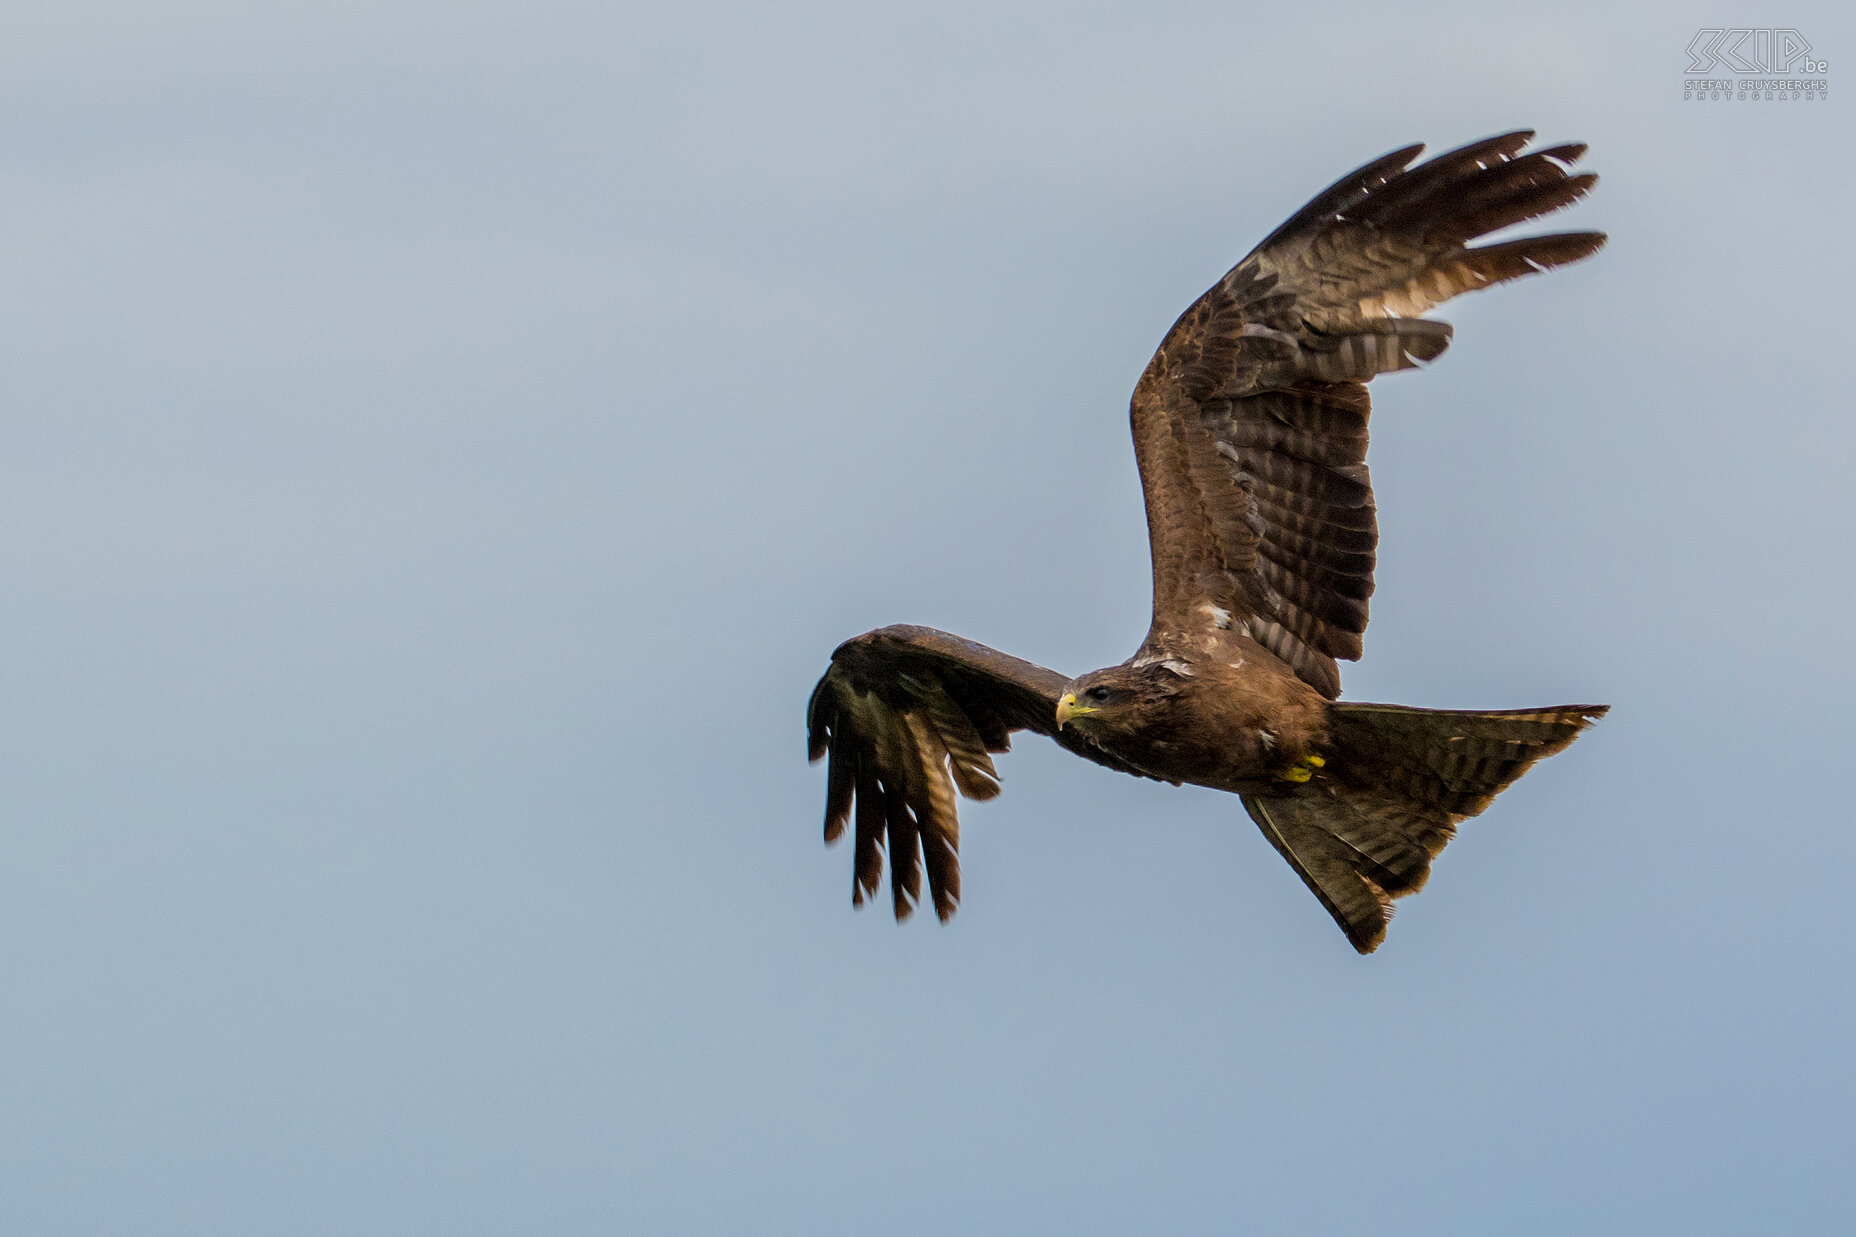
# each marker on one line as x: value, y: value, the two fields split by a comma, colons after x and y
x: 1768, y: 64
x: 1746, y: 50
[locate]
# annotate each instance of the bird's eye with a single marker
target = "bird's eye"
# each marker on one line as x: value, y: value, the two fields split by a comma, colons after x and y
x: 1097, y: 694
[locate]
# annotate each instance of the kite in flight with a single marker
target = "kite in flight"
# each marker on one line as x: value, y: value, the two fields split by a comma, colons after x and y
x: 1250, y: 434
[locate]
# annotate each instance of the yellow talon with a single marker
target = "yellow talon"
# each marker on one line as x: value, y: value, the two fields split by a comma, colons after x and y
x: 1303, y: 769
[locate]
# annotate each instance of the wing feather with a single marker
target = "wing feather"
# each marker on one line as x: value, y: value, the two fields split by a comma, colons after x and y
x: 1250, y: 423
x: 909, y: 716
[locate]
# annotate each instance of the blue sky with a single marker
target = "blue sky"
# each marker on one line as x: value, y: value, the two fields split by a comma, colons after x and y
x: 441, y: 446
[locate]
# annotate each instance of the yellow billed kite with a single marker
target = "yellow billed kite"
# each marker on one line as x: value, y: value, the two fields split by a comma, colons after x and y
x: 1250, y: 434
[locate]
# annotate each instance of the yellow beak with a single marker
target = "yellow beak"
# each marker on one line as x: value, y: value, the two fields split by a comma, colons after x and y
x: 1067, y: 708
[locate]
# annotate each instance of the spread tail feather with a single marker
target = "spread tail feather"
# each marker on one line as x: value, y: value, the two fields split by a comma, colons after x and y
x: 1364, y: 830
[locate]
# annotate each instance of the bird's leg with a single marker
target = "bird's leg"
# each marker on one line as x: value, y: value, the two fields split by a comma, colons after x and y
x: 1302, y: 769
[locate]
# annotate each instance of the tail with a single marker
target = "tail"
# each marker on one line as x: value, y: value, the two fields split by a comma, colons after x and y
x: 1364, y: 829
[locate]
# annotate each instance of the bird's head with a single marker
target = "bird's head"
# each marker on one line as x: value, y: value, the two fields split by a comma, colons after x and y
x: 1102, y: 699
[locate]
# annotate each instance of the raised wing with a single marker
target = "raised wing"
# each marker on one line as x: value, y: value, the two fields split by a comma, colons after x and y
x: 1250, y: 422
x: 909, y: 715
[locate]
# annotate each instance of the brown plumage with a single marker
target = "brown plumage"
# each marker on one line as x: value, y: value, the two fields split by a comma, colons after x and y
x: 1250, y: 431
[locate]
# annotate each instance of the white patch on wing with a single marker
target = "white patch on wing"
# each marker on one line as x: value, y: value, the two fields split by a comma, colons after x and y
x: 1165, y: 662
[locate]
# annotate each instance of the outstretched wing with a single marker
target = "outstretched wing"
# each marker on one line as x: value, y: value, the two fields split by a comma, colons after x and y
x: 1250, y: 423
x: 909, y: 714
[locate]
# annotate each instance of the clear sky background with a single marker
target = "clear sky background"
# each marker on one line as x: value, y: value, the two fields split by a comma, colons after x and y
x: 442, y: 444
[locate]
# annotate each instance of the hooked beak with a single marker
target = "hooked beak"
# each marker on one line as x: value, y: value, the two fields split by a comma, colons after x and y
x: 1067, y: 708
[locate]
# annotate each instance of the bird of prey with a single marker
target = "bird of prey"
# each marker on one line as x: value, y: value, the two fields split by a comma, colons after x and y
x: 1250, y: 429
